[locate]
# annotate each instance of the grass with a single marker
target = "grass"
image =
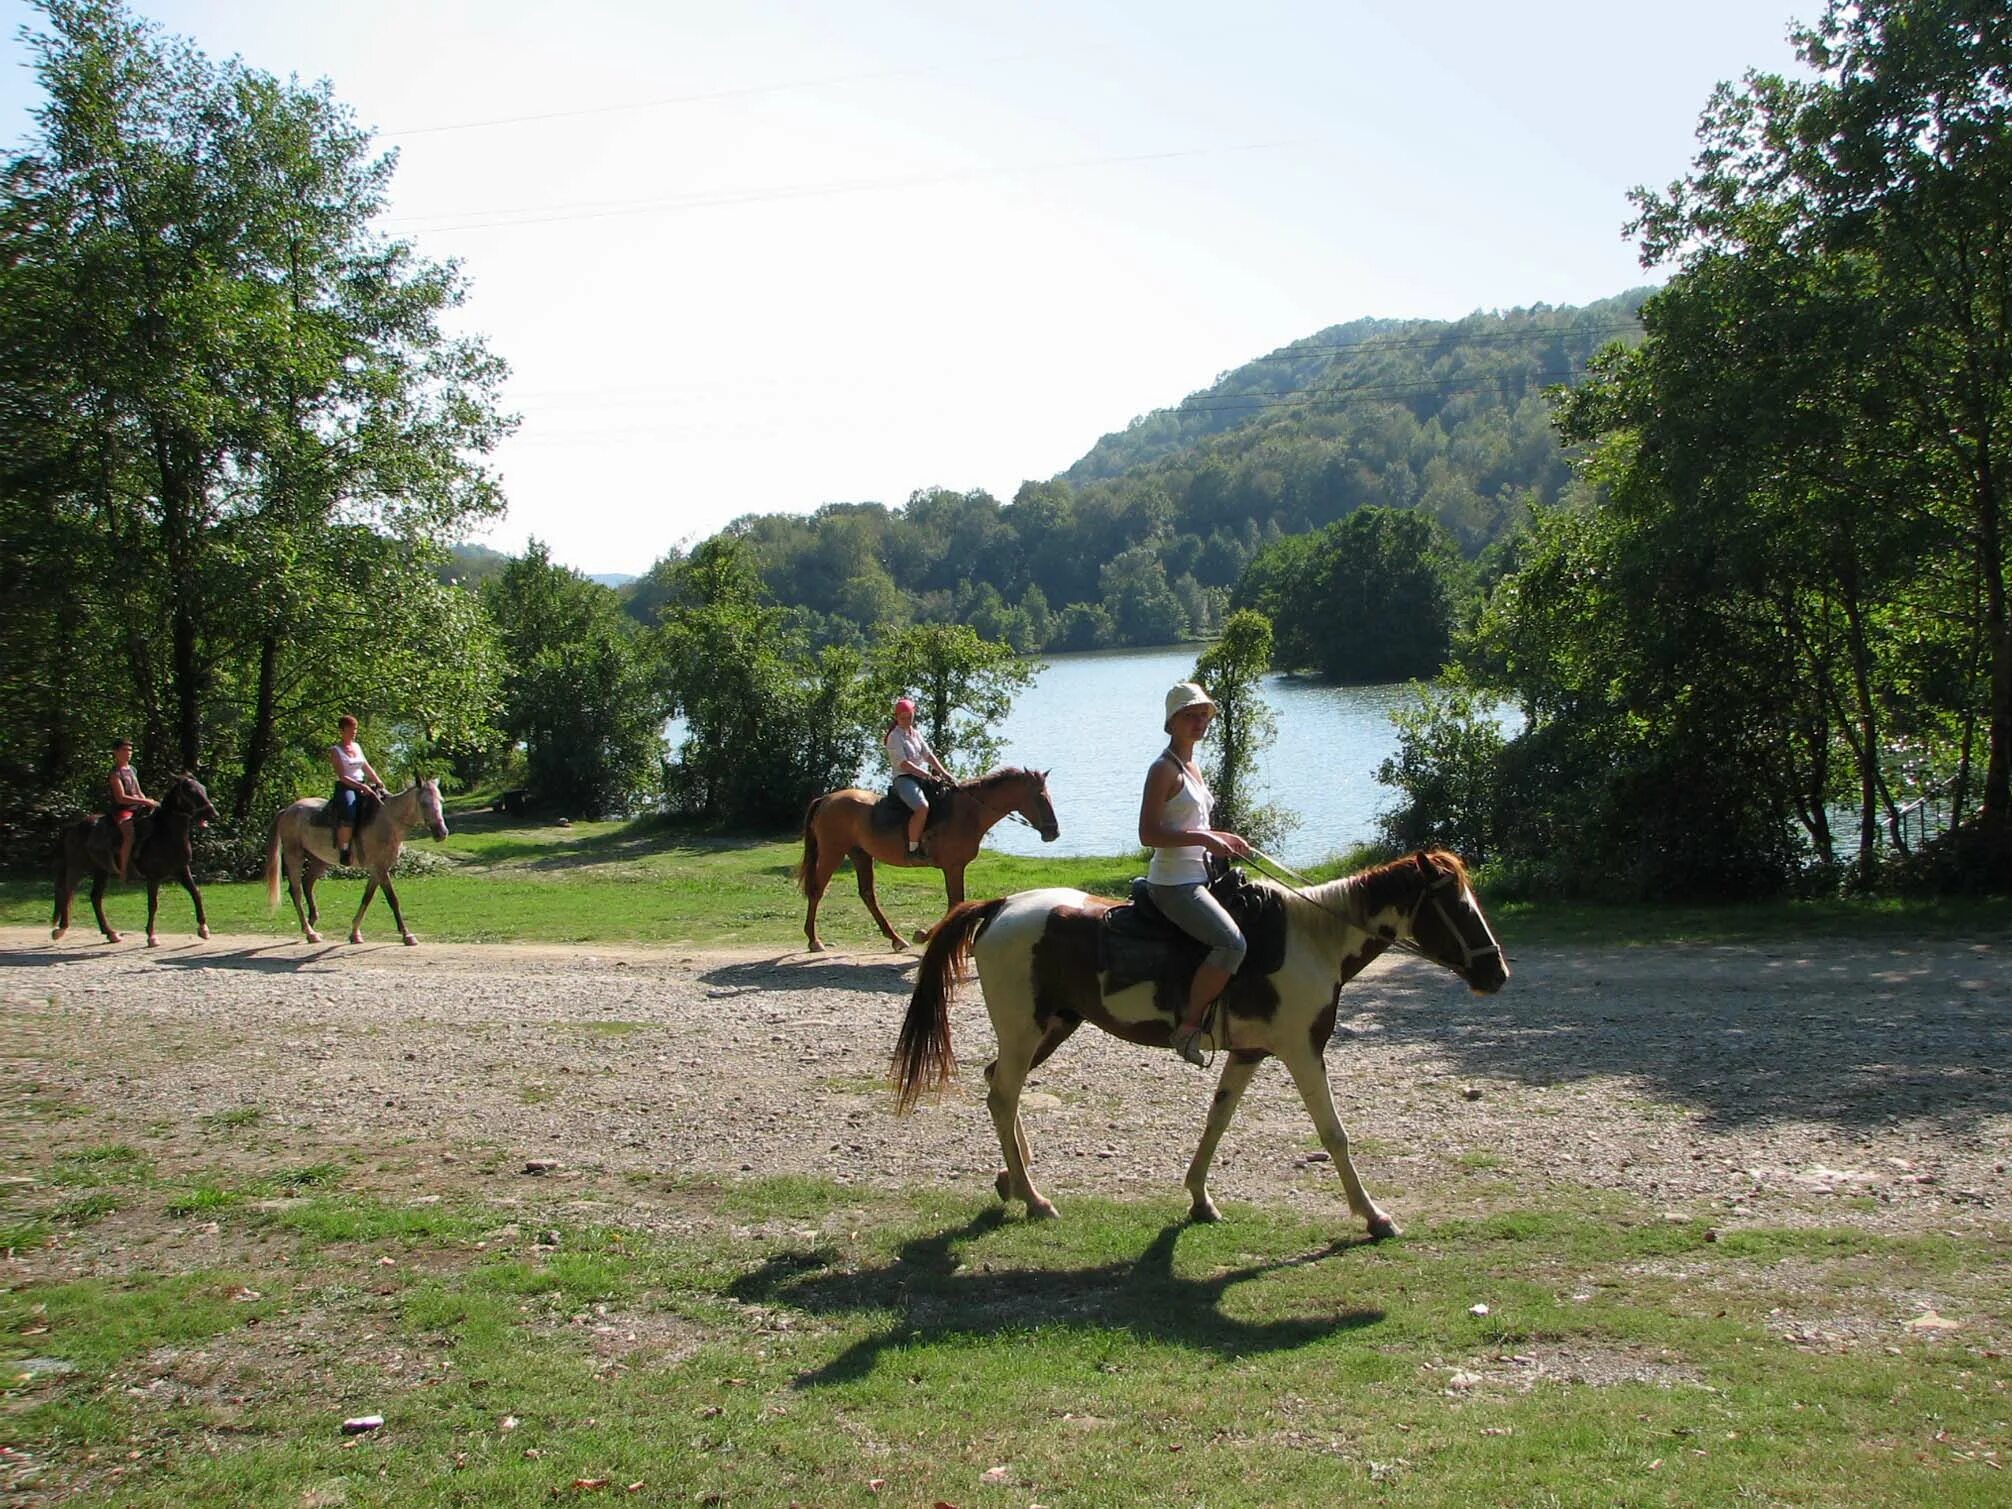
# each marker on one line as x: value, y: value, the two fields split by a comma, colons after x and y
x: 505, y: 880
x: 791, y: 1340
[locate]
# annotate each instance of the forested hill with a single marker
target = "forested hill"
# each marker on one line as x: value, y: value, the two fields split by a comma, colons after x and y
x: 1341, y: 386
x: 1143, y: 540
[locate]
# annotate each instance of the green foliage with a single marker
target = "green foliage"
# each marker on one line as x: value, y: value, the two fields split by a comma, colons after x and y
x: 1232, y: 669
x: 1448, y: 770
x: 768, y: 722
x: 963, y: 688
x: 581, y: 694
x: 1372, y: 598
x: 233, y: 431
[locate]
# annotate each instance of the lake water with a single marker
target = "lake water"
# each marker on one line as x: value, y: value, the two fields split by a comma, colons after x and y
x: 1093, y: 722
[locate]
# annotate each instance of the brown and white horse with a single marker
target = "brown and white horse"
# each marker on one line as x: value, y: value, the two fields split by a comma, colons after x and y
x: 309, y: 851
x: 1036, y: 954
x: 841, y: 823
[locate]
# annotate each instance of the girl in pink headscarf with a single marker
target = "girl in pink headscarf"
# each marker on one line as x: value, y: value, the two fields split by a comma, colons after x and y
x: 909, y: 756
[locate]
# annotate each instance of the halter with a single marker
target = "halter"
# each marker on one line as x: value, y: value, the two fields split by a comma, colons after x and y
x: 1011, y: 814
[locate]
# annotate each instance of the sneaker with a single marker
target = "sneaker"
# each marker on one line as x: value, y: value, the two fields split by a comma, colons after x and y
x: 914, y: 846
x: 1189, y: 1046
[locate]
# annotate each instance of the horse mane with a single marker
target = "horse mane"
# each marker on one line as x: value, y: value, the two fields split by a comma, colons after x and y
x: 1339, y: 903
x: 997, y: 777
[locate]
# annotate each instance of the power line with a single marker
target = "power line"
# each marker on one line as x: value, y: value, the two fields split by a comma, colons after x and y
x: 478, y: 220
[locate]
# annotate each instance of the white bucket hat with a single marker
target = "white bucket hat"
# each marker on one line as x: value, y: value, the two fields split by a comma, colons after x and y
x: 1183, y: 695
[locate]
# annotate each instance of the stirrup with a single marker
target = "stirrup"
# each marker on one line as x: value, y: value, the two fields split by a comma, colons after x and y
x: 1188, y: 1045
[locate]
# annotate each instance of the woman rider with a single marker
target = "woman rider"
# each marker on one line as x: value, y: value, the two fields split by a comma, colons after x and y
x: 353, y: 777
x: 910, y: 757
x: 1174, y: 824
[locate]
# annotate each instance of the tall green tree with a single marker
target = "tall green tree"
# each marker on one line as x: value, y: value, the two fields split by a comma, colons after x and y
x: 211, y: 369
x: 1233, y: 669
x: 963, y: 688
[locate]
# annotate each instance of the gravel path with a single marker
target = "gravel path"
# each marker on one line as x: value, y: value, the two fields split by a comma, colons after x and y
x: 1830, y: 1082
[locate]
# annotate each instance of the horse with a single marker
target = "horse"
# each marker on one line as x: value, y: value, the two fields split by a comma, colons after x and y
x: 309, y: 850
x: 1037, y: 962
x: 841, y: 823
x: 162, y: 848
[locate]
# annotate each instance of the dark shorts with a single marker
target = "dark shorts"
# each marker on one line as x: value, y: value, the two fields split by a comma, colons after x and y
x: 343, y: 803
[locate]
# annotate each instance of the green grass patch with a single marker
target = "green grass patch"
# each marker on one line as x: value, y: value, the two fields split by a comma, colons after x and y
x: 649, y: 882
x: 817, y: 1343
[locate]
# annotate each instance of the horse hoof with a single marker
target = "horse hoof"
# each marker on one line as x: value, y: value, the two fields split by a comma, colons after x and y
x: 410, y: 941
x: 111, y: 937
x: 1004, y: 1185
x: 1204, y: 1212
x: 152, y: 941
x: 313, y: 936
x: 1382, y: 1229
x: 356, y: 937
x: 1040, y: 1210
x: 56, y: 933
x: 817, y: 945
x: 202, y: 932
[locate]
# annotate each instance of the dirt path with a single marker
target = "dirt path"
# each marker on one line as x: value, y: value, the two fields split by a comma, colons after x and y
x: 1837, y: 1083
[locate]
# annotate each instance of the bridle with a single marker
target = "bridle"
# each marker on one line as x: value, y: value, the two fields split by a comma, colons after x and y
x: 1010, y: 814
x: 1434, y: 896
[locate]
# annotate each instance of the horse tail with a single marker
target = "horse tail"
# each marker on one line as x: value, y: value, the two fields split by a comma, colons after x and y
x: 922, y: 1057
x: 807, y: 867
x: 272, y: 867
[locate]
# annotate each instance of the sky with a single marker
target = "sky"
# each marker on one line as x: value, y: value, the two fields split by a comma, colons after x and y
x: 763, y: 255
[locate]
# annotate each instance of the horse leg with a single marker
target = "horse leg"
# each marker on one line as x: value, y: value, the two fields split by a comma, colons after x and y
x: 356, y: 927
x: 1230, y: 1088
x: 953, y: 892
x: 153, y: 906
x: 862, y: 866
x: 1057, y: 1034
x: 1309, y: 1073
x: 66, y: 888
x: 299, y: 878
x: 391, y: 896
x: 313, y: 869
x: 99, y: 880
x: 1019, y: 1041
x: 814, y: 883
x: 188, y: 879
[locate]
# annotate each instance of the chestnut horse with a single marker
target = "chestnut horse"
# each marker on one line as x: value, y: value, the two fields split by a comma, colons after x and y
x: 841, y: 823
x: 162, y: 850
x: 308, y: 849
x: 1037, y: 961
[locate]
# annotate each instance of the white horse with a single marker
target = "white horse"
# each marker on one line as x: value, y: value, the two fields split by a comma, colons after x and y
x: 309, y: 851
x: 1037, y: 961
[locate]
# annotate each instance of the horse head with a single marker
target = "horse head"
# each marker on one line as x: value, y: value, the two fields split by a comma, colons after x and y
x: 1449, y: 927
x: 429, y: 807
x: 1036, y: 808
x: 187, y: 797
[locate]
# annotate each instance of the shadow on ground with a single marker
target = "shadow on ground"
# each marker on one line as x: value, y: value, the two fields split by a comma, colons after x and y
x: 932, y: 1296
x: 1854, y: 1034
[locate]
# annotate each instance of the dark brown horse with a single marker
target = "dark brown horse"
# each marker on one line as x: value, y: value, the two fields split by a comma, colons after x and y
x: 162, y: 849
x: 842, y: 823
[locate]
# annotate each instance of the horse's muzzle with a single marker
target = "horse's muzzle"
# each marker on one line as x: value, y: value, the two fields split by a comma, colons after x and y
x: 440, y: 833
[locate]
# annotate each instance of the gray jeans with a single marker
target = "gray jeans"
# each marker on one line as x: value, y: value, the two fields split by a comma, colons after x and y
x: 1198, y: 914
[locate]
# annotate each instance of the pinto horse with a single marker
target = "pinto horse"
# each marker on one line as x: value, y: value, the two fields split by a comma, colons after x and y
x: 1036, y: 954
x: 309, y: 851
x: 842, y: 822
x: 162, y: 850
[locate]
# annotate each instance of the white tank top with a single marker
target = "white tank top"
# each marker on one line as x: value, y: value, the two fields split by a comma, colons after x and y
x: 1186, y: 810
x: 349, y: 761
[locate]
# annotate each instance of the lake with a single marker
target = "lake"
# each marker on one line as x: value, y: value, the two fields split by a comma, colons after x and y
x: 1093, y: 722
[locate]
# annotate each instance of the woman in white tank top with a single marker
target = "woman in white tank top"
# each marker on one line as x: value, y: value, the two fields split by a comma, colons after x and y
x: 1174, y: 820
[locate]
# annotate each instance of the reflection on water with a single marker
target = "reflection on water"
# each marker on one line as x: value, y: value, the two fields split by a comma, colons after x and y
x: 1093, y: 721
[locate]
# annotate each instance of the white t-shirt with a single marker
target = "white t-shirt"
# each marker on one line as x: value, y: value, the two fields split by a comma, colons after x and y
x: 1187, y: 810
x: 349, y: 762
x: 906, y: 744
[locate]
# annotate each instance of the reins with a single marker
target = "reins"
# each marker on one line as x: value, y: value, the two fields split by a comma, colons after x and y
x: 1300, y: 885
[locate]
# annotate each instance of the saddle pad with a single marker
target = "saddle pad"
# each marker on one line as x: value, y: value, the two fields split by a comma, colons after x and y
x: 892, y: 812
x: 1136, y: 941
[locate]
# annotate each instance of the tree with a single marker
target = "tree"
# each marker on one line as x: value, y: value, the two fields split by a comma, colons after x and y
x: 1884, y: 181
x: 579, y: 692
x: 963, y: 688
x: 221, y: 393
x: 1232, y: 669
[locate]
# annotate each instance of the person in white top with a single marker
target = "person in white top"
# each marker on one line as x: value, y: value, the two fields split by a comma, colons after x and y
x: 353, y: 777
x: 1174, y: 817
x: 909, y: 756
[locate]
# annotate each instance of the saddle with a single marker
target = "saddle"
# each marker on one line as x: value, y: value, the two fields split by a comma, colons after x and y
x: 367, y: 806
x: 1136, y: 941
x: 891, y: 812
